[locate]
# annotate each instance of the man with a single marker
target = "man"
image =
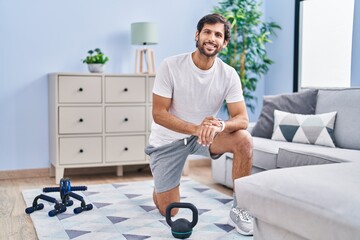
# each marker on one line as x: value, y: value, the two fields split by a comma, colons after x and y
x: 188, y: 92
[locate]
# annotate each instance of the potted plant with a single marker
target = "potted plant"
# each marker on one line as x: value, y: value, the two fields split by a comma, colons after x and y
x: 96, y: 60
x: 246, y: 50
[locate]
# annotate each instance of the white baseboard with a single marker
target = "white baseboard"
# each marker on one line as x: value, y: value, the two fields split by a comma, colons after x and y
x: 44, y: 172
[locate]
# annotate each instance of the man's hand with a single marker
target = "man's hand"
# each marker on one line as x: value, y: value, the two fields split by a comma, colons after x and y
x: 207, y: 130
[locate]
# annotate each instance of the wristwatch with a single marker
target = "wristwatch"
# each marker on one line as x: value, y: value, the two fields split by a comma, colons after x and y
x: 222, y: 126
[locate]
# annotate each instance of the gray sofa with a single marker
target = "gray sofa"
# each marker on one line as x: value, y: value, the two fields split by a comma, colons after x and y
x: 297, y: 193
x: 270, y: 154
x: 310, y: 202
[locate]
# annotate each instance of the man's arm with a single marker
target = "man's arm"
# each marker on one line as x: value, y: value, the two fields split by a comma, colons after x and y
x: 207, y: 129
x: 161, y: 115
x: 238, y: 117
x: 238, y: 120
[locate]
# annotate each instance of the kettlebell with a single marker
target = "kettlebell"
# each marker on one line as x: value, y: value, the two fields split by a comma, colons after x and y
x: 181, y: 228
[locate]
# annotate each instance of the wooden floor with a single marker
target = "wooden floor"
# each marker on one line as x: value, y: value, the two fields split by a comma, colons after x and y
x: 16, y: 224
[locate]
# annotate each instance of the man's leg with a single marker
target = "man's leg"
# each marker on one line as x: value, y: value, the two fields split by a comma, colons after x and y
x: 240, y: 144
x: 167, y: 163
x: 242, y: 159
x: 162, y: 200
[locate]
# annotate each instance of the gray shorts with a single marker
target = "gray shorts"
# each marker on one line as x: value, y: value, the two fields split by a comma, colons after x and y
x: 167, y: 162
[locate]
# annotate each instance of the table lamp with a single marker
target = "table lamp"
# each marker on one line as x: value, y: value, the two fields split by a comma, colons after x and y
x: 144, y: 33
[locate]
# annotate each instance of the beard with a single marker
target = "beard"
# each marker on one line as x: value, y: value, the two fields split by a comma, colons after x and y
x: 202, y: 50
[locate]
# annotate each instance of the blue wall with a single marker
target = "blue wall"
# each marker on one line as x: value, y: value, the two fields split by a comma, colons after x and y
x: 281, y: 50
x: 38, y: 37
x: 355, y: 63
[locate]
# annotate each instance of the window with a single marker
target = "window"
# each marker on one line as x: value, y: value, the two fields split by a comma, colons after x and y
x: 323, y: 43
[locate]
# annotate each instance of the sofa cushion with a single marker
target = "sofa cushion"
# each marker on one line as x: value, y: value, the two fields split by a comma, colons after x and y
x: 218, y: 169
x: 315, y: 129
x: 302, y: 102
x: 270, y: 154
x: 344, y: 102
x: 293, y: 157
x: 265, y: 153
x: 314, y: 202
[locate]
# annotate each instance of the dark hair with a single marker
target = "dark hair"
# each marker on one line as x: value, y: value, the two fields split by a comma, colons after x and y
x: 212, y: 19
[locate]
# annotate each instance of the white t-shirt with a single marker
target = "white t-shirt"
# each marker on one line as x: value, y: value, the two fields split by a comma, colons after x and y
x: 195, y: 93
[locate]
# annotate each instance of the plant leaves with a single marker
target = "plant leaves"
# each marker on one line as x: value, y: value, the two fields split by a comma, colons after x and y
x: 97, y: 58
x: 250, y: 36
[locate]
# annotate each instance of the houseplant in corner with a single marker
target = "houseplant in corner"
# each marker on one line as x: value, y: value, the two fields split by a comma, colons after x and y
x: 96, y: 60
x: 246, y: 50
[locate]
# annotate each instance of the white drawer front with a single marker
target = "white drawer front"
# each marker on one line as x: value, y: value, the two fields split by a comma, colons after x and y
x: 80, y: 150
x: 125, y: 119
x: 151, y: 86
x: 125, y: 149
x: 79, y: 89
x: 125, y: 89
x: 80, y: 120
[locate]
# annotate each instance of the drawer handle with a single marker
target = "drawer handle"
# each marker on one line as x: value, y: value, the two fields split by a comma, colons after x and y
x: 81, y: 89
x: 126, y: 149
x: 126, y: 89
x: 81, y: 120
x: 126, y: 119
x: 81, y: 150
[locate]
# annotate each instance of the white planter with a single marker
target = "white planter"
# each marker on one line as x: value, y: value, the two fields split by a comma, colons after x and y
x: 96, y: 68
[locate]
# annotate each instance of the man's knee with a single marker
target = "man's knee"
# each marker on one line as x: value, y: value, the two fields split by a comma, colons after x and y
x: 243, y: 142
x: 162, y: 200
x: 162, y: 209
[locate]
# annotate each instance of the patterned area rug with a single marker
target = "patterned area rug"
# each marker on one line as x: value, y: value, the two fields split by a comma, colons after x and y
x: 126, y: 211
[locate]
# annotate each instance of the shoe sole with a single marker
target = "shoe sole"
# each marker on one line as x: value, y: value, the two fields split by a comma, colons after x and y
x: 231, y: 223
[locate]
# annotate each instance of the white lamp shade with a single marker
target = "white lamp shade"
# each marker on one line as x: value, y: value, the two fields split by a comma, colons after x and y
x: 144, y: 33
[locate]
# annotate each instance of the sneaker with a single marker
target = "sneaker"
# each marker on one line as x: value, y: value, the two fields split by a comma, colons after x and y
x: 242, y: 221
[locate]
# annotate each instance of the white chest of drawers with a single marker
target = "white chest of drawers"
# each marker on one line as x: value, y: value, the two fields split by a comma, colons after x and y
x: 98, y: 120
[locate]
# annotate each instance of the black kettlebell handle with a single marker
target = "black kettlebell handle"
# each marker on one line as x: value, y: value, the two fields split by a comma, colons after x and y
x: 182, y: 205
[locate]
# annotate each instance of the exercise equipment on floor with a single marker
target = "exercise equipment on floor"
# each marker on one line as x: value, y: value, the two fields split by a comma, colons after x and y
x: 181, y: 228
x: 66, y: 191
